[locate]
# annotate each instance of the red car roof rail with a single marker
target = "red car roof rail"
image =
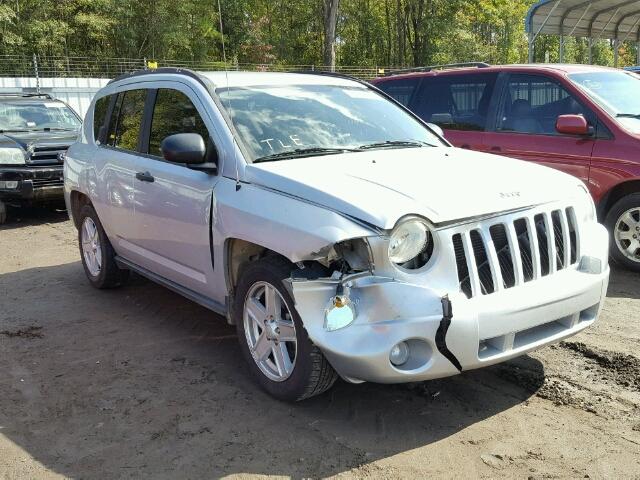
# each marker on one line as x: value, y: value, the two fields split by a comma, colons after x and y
x: 438, y: 67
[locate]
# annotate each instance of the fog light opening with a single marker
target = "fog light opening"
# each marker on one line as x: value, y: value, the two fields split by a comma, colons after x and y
x: 399, y: 354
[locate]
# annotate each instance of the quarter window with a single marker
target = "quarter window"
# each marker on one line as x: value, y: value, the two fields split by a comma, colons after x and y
x: 401, y: 90
x: 99, y: 114
x: 124, y: 127
x: 532, y: 104
x: 456, y: 102
x: 174, y: 113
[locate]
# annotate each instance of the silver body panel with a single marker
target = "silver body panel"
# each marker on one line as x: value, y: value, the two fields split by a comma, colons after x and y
x: 177, y: 229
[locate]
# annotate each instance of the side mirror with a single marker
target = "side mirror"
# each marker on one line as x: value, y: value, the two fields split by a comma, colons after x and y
x: 436, y: 128
x: 573, y: 125
x: 188, y: 148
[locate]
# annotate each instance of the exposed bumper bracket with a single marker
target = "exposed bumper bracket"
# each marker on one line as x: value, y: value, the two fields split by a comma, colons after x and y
x: 441, y: 333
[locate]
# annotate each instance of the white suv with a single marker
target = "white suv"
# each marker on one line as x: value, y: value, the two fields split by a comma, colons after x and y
x: 336, y: 230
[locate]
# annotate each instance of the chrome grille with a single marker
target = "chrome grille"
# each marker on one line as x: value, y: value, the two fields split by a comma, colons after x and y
x: 46, y: 154
x: 47, y: 182
x: 502, y: 255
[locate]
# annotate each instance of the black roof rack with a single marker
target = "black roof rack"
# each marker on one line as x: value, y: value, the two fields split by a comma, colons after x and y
x: 25, y: 95
x: 438, y: 67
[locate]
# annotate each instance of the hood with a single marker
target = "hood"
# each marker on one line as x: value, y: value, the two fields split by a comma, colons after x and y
x: 441, y: 184
x: 40, y: 138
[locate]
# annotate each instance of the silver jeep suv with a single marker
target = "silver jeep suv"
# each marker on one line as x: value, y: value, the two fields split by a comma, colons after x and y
x: 338, y: 232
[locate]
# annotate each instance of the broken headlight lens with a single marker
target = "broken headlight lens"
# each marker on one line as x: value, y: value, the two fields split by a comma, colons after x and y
x: 408, y: 239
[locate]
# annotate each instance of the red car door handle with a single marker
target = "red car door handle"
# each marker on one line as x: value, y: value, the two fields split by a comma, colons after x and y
x: 496, y: 149
x: 465, y: 145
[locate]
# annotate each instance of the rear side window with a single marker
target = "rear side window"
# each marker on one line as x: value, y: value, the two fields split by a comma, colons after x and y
x: 401, y: 90
x: 456, y: 102
x: 126, y: 119
x: 99, y: 114
x: 174, y: 113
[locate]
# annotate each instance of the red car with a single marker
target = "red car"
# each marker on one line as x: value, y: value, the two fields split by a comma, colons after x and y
x: 581, y: 119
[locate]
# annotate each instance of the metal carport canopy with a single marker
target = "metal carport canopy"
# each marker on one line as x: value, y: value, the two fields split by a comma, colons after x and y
x: 617, y: 20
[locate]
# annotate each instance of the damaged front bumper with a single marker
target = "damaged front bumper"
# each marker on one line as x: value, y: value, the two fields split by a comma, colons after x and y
x: 445, y: 331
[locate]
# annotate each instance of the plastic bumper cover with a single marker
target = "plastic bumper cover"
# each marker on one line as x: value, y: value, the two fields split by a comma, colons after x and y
x: 484, y: 330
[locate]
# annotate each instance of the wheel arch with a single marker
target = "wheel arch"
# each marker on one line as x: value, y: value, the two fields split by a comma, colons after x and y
x: 615, y: 194
x: 77, y: 200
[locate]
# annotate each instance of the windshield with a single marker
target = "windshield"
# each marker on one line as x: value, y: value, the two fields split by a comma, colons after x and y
x: 277, y: 122
x: 26, y: 116
x: 616, y: 92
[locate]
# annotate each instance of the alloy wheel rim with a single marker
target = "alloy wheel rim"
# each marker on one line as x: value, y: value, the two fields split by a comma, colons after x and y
x: 270, y: 331
x: 91, y: 247
x: 627, y: 234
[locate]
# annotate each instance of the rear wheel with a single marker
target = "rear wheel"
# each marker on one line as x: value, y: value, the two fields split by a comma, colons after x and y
x: 272, y: 337
x: 3, y: 213
x: 623, y: 221
x: 98, y: 256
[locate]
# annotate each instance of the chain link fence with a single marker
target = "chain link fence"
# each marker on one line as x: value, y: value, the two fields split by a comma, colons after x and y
x: 43, y: 66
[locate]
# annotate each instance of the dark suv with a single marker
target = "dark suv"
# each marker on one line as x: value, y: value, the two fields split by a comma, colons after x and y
x: 35, y: 132
x: 581, y: 119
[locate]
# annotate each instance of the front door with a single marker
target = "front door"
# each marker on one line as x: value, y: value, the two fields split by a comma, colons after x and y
x: 525, y: 126
x: 173, y: 202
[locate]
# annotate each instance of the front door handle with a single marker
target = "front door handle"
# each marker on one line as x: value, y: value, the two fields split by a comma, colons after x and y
x: 145, y: 177
x: 496, y: 149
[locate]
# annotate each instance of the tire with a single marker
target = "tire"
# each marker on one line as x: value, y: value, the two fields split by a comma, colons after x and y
x: 623, y: 223
x: 311, y: 374
x: 103, y: 272
x: 3, y: 213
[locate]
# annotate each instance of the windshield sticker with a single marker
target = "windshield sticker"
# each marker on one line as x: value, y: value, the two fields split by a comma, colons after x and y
x: 289, y: 142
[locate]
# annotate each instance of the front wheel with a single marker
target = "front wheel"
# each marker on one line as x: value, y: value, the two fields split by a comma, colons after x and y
x: 623, y: 221
x: 272, y: 337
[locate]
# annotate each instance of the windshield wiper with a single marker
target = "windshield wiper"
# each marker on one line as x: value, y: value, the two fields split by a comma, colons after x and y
x: 303, y: 152
x: 12, y: 131
x: 396, y: 144
x: 628, y: 115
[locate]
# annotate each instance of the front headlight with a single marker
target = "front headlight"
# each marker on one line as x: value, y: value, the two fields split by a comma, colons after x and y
x: 12, y: 156
x: 408, y: 239
x: 585, y: 207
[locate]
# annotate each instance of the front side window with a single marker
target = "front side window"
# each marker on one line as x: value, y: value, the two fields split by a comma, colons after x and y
x: 174, y: 113
x: 532, y: 104
x: 31, y: 115
x: 126, y: 119
x: 456, y: 102
x: 615, y: 92
x: 306, y: 120
x: 401, y: 90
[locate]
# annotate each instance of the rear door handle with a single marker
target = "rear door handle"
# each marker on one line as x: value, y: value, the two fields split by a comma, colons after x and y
x: 465, y: 145
x: 496, y: 149
x: 145, y: 177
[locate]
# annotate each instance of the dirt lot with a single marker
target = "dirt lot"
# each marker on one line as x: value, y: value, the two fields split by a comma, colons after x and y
x: 140, y: 383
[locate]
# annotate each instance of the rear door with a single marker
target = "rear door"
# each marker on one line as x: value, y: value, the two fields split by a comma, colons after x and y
x: 459, y: 104
x: 524, y: 128
x: 173, y: 202
x: 116, y: 157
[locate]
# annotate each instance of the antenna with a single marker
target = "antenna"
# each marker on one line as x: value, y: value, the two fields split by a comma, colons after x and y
x: 226, y: 75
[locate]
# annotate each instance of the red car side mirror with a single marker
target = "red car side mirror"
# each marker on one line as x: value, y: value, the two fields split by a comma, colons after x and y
x: 572, y: 125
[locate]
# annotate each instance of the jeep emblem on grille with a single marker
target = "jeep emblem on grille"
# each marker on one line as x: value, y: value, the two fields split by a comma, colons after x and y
x: 61, y: 156
x: 509, y: 194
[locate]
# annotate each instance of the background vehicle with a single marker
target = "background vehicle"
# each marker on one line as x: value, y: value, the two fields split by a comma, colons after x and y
x: 35, y: 132
x: 580, y: 119
x: 332, y: 241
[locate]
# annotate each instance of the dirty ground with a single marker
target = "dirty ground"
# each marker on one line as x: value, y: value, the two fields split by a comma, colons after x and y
x: 141, y: 383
